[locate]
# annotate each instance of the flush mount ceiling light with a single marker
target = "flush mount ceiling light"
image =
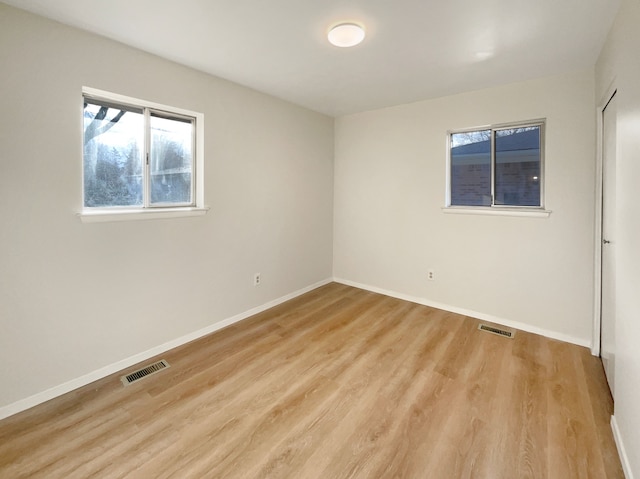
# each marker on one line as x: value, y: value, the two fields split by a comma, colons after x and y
x: 346, y: 35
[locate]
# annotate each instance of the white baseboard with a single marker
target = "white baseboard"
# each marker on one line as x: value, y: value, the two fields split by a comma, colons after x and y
x: 624, y: 458
x: 474, y: 314
x: 31, y: 401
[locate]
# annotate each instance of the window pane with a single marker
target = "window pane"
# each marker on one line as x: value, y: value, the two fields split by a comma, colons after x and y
x: 171, y: 160
x: 471, y: 168
x: 113, y: 140
x: 518, y: 166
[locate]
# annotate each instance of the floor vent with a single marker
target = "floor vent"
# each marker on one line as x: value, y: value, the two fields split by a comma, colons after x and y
x: 144, y: 372
x: 505, y: 333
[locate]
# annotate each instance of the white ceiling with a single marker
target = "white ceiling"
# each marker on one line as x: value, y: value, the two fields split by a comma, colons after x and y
x: 414, y: 49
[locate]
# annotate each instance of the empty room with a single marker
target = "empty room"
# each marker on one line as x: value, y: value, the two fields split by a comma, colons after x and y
x: 339, y: 239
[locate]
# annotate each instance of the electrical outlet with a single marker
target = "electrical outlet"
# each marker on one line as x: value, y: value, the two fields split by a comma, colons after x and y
x: 431, y: 275
x: 256, y: 279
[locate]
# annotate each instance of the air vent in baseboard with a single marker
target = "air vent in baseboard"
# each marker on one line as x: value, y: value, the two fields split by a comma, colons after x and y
x: 505, y: 333
x: 144, y: 372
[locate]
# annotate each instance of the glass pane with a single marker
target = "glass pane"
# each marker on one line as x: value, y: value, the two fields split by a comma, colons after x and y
x: 471, y: 168
x: 113, y: 140
x: 171, y: 160
x: 518, y: 166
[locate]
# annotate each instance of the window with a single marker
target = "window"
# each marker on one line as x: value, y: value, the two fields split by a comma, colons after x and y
x: 497, y: 166
x: 138, y: 156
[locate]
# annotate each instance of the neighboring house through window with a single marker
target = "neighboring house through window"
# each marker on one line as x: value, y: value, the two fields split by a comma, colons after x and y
x: 498, y: 166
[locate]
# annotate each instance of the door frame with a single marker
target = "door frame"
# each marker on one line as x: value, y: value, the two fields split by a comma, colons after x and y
x: 597, y: 288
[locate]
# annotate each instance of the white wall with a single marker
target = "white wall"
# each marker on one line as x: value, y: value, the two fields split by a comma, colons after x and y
x: 77, y: 297
x: 389, y: 228
x: 618, y: 66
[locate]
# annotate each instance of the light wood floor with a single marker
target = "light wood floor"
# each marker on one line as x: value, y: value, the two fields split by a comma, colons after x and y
x: 338, y: 383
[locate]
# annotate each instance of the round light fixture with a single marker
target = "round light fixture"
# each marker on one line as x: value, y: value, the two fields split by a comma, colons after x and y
x: 346, y: 35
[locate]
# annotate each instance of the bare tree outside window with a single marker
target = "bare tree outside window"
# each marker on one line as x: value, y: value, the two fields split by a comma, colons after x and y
x: 171, y: 160
x: 113, y: 143
x: 121, y: 169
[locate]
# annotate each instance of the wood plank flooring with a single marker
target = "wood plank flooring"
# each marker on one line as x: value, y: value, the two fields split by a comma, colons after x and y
x: 337, y: 383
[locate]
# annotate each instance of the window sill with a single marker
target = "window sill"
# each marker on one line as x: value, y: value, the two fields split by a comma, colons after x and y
x: 107, y: 215
x: 525, y: 212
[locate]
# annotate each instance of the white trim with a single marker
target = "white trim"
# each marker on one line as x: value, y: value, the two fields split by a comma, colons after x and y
x: 494, y: 211
x: 597, y: 251
x: 467, y: 312
x: 31, y: 401
x: 624, y: 457
x: 99, y: 215
x: 129, y: 100
x: 597, y: 286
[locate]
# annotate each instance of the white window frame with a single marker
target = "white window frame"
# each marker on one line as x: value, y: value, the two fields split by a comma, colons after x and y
x: 498, y: 210
x: 147, y: 211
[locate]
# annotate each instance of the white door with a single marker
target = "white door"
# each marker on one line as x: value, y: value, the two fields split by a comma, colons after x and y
x: 608, y: 312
